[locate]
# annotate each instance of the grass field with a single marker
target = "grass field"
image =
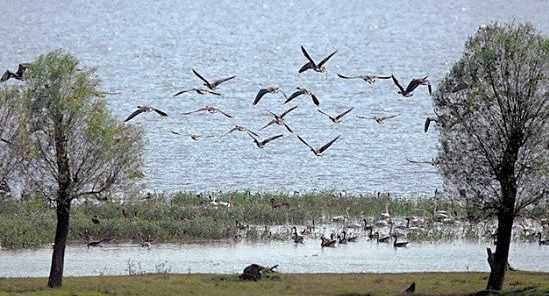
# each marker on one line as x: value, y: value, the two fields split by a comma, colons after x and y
x: 517, y: 283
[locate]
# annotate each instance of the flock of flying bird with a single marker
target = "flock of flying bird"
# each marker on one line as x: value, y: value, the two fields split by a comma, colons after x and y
x: 212, y: 87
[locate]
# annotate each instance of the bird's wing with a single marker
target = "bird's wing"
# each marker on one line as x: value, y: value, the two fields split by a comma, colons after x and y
x: 134, y: 114
x: 389, y: 117
x: 306, y: 54
x: 259, y: 95
x: 219, y: 81
x: 251, y: 132
x: 344, y: 113
x: 347, y: 77
x: 303, y: 141
x: 219, y: 110
x: 288, y: 111
x: 268, y: 124
x: 160, y: 112
x: 328, y: 144
x: 255, y: 140
x: 175, y: 132
x: 287, y: 127
x: 22, y: 68
x: 429, y: 87
x: 305, y: 67
x: 382, y: 77
x: 326, y: 59
x: 6, y: 76
x: 364, y: 117
x: 203, y: 79
x: 183, y: 91
x: 295, y: 95
x: 315, y: 100
x: 214, y: 93
x: 397, y: 84
x: 427, y: 123
x: 322, y: 112
x: 197, y: 110
x: 283, y: 93
x: 271, y: 138
x: 412, y: 85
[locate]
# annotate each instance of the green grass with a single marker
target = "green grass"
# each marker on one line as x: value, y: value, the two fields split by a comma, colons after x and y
x: 517, y: 283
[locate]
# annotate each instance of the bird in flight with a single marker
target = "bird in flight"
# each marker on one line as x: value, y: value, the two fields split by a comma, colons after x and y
x: 412, y: 85
x: 336, y: 119
x: 303, y: 91
x: 261, y: 144
x: 370, y: 79
x: 214, y: 84
x: 319, y: 152
x: 428, y: 121
x: 378, y: 119
x: 270, y: 89
x: 239, y: 128
x: 200, y: 91
x: 194, y: 137
x: 208, y: 109
x: 280, y: 119
x: 17, y: 75
x: 311, y: 63
x: 141, y: 109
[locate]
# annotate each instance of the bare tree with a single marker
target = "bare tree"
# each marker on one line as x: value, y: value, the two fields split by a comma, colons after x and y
x: 493, y: 110
x: 73, y: 148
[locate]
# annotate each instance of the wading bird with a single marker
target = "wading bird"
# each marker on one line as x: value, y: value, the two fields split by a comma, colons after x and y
x: 270, y: 90
x: 303, y: 91
x: 378, y: 119
x: 367, y: 78
x: 312, y: 65
x: 16, y: 75
x: 280, y: 119
x: 412, y: 85
x: 318, y: 152
x: 141, y: 109
x: 214, y: 84
x: 336, y: 119
x: 261, y: 144
x: 208, y: 109
x: 200, y: 91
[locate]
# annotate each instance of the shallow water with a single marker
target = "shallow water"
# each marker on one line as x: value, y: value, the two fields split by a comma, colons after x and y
x: 146, y: 49
x: 225, y: 257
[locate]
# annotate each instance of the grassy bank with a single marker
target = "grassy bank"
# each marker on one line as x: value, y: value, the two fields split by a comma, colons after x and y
x: 517, y: 283
x: 184, y: 217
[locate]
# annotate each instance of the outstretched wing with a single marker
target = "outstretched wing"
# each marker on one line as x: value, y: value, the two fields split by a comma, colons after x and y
x: 295, y: 95
x: 206, y: 82
x: 22, y: 68
x: 219, y: 110
x: 305, y: 67
x: 219, y: 81
x: 397, y: 84
x: 259, y: 95
x: 364, y: 117
x: 306, y: 54
x: 6, y: 76
x: 182, y: 92
x: 389, y: 117
x: 134, y: 114
x: 288, y: 111
x: 195, y: 111
x: 268, y: 124
x: 427, y: 123
x: 287, y: 127
x: 412, y: 85
x: 328, y: 144
x: 255, y: 140
x: 271, y: 138
x: 382, y: 77
x: 303, y: 141
x: 315, y: 100
x: 430, y: 90
x: 213, y: 92
x: 348, y: 77
x: 160, y: 112
x: 344, y: 113
x: 327, y: 58
x: 322, y: 112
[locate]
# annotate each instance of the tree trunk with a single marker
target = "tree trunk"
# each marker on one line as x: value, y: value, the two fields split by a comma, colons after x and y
x: 61, y: 233
x: 499, y: 263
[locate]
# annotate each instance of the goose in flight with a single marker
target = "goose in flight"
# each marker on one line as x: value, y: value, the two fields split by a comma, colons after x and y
x: 239, y: 128
x: 370, y: 79
x: 411, y: 289
x: 303, y: 91
x: 412, y: 85
x: 16, y: 75
x: 194, y: 137
x: 208, y: 109
x: 378, y: 119
x: 200, y: 91
x: 319, y: 152
x: 269, y: 89
x: 311, y: 63
x: 141, y: 109
x: 214, y: 84
x: 428, y: 122
x: 279, y: 119
x: 261, y: 144
x: 336, y: 119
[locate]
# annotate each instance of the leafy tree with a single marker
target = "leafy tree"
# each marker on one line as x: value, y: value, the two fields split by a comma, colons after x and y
x: 73, y: 148
x: 492, y: 110
x: 9, y: 123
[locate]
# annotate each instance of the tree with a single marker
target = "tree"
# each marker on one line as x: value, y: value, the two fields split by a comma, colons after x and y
x: 73, y: 148
x: 9, y: 123
x: 493, y: 112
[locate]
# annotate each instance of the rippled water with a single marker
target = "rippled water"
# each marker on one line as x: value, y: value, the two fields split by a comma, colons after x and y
x: 363, y: 256
x: 146, y: 49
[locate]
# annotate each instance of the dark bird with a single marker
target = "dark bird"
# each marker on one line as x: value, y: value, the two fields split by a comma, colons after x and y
x: 312, y: 65
x: 336, y: 119
x: 208, y: 109
x: 239, y: 128
x: 303, y: 91
x: 367, y: 78
x: 16, y: 75
x: 261, y: 144
x: 350, y: 238
x: 298, y: 239
x: 378, y: 119
x: 384, y: 239
x: 412, y: 85
x: 428, y: 122
x: 141, y: 109
x: 399, y: 244
x: 270, y: 90
x: 540, y: 241
x: 279, y: 119
x: 95, y: 220
x: 276, y: 205
x: 214, y: 84
x: 411, y: 289
x: 194, y: 137
x: 318, y: 152
x: 325, y: 242
x: 200, y: 91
